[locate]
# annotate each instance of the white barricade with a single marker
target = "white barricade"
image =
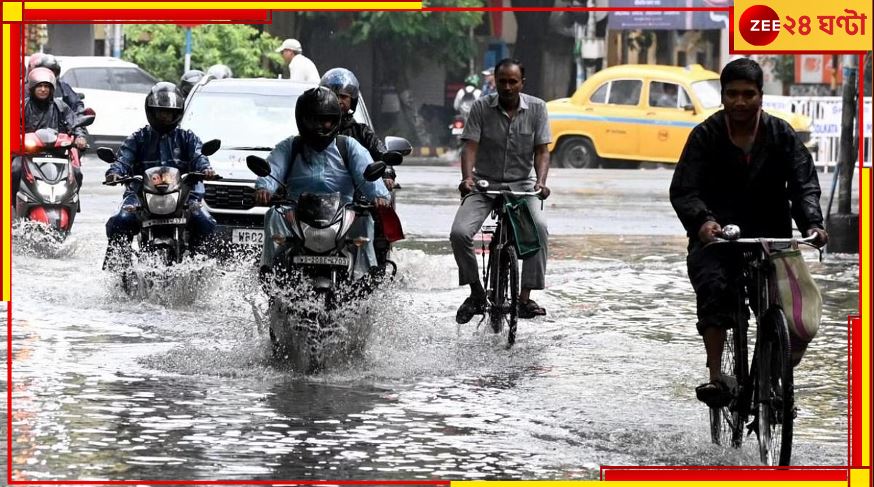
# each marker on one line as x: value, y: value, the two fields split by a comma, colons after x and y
x: 825, y: 111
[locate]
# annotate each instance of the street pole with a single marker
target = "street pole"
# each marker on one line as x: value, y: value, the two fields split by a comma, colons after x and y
x: 187, y: 49
x: 847, y: 159
x: 844, y: 226
x: 116, y: 41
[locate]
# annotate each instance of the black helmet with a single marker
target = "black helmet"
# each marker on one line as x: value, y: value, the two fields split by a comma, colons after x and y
x: 342, y: 81
x: 164, y: 96
x: 220, y: 71
x: 38, y: 76
x: 314, y: 108
x: 188, y: 80
x: 51, y: 62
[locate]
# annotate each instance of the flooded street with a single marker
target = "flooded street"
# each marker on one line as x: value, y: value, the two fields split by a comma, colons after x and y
x: 181, y: 385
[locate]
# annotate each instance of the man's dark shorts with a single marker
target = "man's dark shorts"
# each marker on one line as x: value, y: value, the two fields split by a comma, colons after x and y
x: 714, y: 273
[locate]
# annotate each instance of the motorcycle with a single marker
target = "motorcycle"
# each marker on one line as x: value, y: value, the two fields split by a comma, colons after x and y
x: 164, y: 216
x: 50, y: 190
x: 456, y: 128
x: 316, y: 253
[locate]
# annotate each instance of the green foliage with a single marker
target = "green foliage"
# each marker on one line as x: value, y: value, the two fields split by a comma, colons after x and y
x: 160, y: 49
x: 417, y: 36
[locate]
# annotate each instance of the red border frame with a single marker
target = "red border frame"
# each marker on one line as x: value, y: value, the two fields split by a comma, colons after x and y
x: 642, y: 473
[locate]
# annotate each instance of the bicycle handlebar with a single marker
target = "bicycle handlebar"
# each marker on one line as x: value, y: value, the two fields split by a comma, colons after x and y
x: 771, y: 241
x: 500, y: 193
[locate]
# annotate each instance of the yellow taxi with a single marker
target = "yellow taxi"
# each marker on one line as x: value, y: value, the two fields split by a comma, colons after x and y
x: 638, y: 112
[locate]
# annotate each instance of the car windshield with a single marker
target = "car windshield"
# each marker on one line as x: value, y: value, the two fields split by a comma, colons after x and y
x: 244, y: 119
x: 708, y: 93
x: 133, y: 80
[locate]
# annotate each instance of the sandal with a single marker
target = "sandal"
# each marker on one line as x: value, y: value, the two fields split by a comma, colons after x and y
x: 530, y: 309
x: 715, y: 393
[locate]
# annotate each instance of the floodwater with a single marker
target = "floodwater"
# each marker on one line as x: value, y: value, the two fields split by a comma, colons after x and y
x: 179, y: 383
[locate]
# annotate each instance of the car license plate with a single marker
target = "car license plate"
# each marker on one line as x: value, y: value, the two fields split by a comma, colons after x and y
x: 457, y: 131
x: 244, y: 236
x: 320, y: 260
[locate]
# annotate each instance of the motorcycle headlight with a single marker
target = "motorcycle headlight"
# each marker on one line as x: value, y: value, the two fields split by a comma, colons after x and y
x: 52, y: 193
x: 320, y: 239
x: 162, y: 204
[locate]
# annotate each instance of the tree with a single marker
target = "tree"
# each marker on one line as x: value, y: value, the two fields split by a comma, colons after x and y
x: 160, y: 49
x: 405, y: 41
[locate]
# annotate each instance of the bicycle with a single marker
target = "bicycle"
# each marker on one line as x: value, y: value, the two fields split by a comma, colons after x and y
x: 765, y: 390
x: 501, y: 273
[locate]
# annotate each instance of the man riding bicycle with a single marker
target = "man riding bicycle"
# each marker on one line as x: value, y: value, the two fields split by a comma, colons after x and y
x: 740, y: 166
x: 506, y: 138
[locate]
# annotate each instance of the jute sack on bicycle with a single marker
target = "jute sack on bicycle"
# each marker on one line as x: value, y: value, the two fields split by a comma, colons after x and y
x: 525, y: 233
x: 794, y: 289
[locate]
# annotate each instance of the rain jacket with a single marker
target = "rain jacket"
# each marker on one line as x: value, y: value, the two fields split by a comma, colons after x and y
x: 54, y: 114
x: 321, y: 172
x: 146, y: 148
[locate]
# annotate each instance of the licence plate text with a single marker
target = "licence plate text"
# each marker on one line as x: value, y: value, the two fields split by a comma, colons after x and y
x: 320, y: 260
x: 247, y: 237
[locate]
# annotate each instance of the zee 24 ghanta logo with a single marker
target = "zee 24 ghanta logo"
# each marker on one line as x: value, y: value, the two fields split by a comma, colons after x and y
x: 759, y: 24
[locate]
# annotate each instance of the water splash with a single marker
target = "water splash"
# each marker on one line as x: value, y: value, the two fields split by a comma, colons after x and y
x: 37, y: 239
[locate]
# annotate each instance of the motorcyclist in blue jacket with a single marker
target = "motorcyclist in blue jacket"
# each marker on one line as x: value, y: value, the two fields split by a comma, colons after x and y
x: 161, y: 143
x: 317, y: 164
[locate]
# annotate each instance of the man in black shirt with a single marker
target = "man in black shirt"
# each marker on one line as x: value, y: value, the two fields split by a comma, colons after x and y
x: 744, y: 167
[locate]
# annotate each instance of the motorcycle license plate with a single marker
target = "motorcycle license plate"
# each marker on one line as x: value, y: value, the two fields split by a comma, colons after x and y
x: 244, y: 236
x: 321, y: 260
x: 457, y: 131
x: 165, y: 221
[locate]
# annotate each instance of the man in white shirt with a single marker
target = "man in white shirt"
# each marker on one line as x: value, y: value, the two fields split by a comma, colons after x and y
x: 300, y: 68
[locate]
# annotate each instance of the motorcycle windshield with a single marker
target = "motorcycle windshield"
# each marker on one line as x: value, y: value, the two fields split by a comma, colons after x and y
x: 161, y: 179
x: 319, y: 210
x: 47, y: 136
x: 49, y: 169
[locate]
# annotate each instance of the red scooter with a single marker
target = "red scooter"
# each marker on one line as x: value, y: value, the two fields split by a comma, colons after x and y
x: 49, y: 192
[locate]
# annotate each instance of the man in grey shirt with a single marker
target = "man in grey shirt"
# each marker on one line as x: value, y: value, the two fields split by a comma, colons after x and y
x: 506, y: 138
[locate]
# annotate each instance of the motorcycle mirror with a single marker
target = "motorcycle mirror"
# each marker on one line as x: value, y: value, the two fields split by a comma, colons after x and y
x: 375, y: 171
x: 81, y: 95
x: 210, y: 147
x: 398, y: 144
x: 105, y: 154
x: 392, y: 158
x: 258, y: 166
x: 85, y: 120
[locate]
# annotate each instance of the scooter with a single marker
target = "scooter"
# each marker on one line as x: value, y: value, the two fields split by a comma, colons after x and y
x: 49, y: 193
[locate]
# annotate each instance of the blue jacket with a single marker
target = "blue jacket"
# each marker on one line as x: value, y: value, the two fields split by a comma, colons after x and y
x: 146, y: 148
x: 321, y: 172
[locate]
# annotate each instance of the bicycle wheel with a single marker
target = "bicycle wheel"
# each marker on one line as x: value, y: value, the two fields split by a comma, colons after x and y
x: 727, y: 422
x: 513, y: 289
x: 775, y: 401
x: 498, y: 293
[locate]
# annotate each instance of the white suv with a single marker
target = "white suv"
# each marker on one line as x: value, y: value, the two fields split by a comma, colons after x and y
x: 115, y: 89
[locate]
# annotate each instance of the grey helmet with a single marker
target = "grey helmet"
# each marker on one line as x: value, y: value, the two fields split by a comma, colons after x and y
x: 342, y: 81
x: 220, y: 71
x: 188, y: 80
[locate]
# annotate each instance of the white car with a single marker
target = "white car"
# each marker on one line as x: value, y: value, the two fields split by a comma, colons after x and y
x: 115, y: 89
